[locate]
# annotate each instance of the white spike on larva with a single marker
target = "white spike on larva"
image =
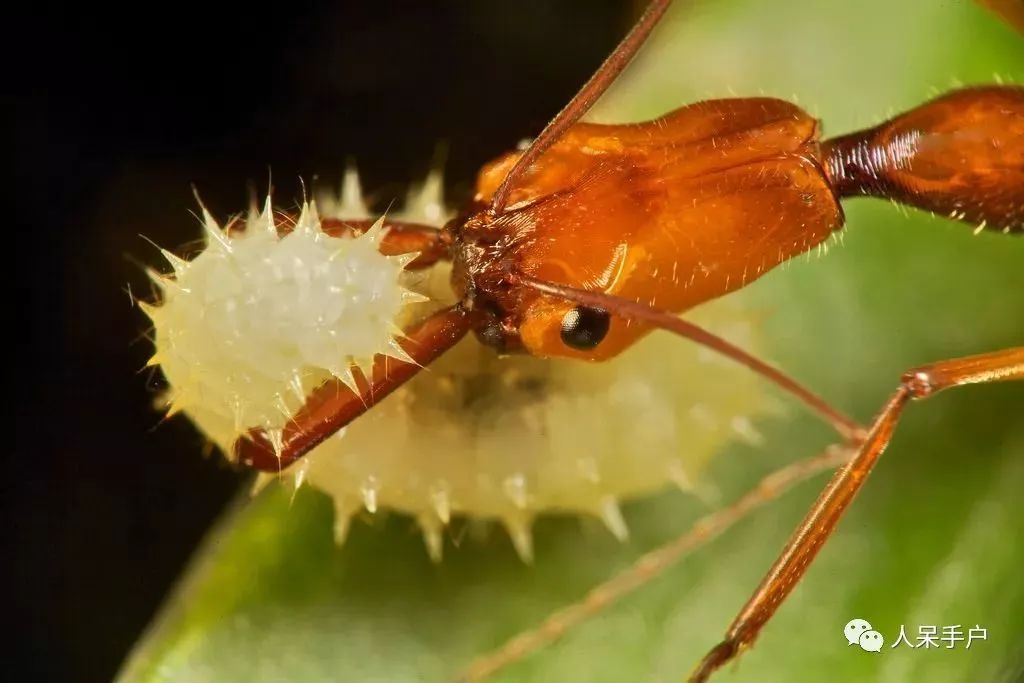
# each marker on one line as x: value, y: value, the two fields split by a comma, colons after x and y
x: 397, y: 332
x: 297, y: 388
x: 677, y: 475
x: 342, y: 524
x: 395, y: 350
x: 156, y: 278
x: 178, y: 264
x: 746, y: 431
x: 267, y: 218
x: 433, y: 537
x: 369, y: 490
x: 424, y: 203
x: 276, y: 439
x: 344, y: 508
x: 172, y: 287
x: 352, y: 205
x: 404, y: 259
x: 281, y: 403
x: 151, y: 311
x: 612, y: 517
x: 375, y: 231
x: 411, y: 297
x: 348, y: 378
x: 522, y: 537
x: 314, y: 217
x: 441, y: 502
x: 299, y: 472
x: 215, y: 237
x: 174, y: 406
x: 302, y: 224
x: 515, y: 488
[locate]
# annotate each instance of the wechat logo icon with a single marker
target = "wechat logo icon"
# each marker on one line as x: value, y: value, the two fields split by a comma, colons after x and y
x: 859, y: 632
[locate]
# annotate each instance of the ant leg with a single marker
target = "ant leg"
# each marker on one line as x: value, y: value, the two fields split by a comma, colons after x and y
x: 821, y: 521
x: 333, y: 404
x: 1010, y: 11
x: 653, y: 564
x: 918, y: 383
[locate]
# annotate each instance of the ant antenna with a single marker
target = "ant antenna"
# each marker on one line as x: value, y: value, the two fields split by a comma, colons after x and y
x: 583, y: 100
x: 634, y: 310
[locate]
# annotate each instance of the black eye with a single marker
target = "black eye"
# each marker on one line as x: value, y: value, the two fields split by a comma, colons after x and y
x: 583, y: 328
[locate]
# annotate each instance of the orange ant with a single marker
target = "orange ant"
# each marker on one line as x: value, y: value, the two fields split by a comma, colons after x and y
x: 595, y: 235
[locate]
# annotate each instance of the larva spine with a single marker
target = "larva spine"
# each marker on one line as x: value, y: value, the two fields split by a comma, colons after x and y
x: 263, y: 314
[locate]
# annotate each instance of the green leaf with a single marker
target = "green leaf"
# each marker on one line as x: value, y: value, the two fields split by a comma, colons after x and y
x: 933, y: 540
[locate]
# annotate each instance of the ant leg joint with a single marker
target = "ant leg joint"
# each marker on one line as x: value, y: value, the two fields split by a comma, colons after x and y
x: 713, y: 660
x: 917, y: 383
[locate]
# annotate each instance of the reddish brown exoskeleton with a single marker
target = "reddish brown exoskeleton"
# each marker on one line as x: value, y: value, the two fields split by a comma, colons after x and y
x: 596, y: 235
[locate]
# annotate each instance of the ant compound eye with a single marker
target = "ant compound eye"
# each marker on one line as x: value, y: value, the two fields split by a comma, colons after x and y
x: 583, y: 328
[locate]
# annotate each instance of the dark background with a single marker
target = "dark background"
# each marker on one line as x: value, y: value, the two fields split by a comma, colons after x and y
x: 116, y: 113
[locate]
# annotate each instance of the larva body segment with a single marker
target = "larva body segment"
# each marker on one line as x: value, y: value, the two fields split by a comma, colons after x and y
x: 512, y: 437
x: 259, y: 318
x: 494, y: 437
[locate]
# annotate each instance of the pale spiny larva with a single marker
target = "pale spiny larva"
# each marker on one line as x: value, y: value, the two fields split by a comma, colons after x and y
x: 256, y: 320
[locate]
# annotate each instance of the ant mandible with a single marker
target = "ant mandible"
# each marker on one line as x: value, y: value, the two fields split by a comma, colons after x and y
x: 596, y: 235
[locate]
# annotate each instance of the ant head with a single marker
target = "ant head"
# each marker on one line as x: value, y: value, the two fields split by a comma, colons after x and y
x: 568, y: 221
x: 492, y: 254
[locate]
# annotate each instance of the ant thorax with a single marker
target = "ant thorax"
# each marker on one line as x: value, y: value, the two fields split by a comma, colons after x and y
x: 251, y: 325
